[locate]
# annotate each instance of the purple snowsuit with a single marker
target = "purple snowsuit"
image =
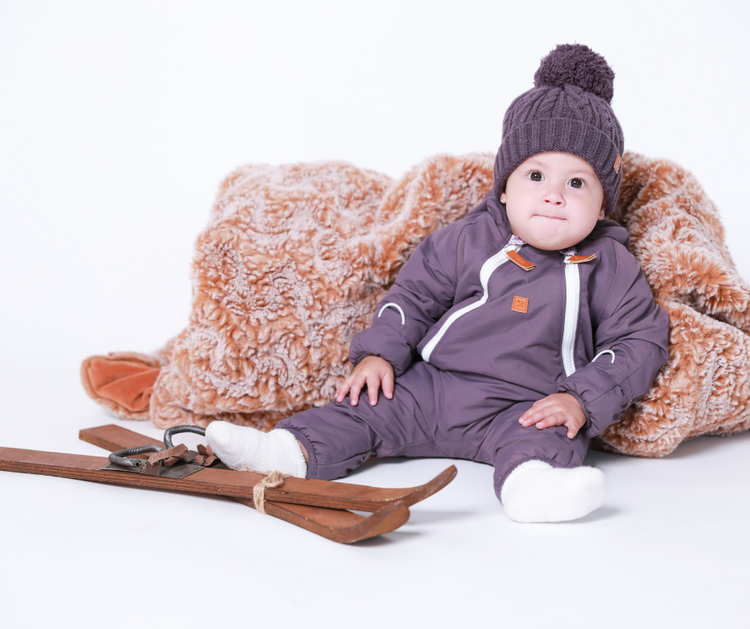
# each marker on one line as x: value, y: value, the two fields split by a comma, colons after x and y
x: 475, y: 340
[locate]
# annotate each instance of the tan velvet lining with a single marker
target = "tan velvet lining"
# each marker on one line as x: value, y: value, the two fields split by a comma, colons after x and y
x: 128, y: 383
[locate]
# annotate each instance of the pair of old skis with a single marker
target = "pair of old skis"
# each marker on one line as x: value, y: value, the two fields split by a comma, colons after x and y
x: 318, y: 506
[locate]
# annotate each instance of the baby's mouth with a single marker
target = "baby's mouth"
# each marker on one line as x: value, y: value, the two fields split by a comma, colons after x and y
x: 554, y: 218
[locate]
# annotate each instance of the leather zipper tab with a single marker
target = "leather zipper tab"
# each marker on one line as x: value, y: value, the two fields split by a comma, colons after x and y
x: 579, y: 259
x: 518, y: 260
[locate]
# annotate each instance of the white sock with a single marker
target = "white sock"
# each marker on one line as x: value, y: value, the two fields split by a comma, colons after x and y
x: 537, y: 492
x: 242, y: 447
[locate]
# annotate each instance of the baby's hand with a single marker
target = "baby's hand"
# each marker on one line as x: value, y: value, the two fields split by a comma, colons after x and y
x: 371, y: 371
x: 558, y: 409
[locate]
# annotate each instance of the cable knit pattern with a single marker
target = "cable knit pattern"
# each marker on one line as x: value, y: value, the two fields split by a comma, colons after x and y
x: 567, y: 110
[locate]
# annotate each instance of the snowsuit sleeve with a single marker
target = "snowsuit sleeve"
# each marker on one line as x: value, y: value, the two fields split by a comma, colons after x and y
x: 630, y: 324
x: 423, y: 291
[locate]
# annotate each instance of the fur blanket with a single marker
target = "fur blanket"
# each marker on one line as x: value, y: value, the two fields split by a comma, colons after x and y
x: 295, y: 259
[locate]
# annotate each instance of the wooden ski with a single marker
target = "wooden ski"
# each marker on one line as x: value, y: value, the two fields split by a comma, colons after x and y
x: 318, y: 506
x: 338, y: 525
x: 217, y: 482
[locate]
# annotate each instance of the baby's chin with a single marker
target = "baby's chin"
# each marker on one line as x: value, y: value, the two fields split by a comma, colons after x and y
x: 552, y: 245
x: 549, y: 235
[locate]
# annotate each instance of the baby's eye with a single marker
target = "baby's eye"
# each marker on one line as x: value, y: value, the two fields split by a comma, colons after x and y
x: 535, y: 175
x: 576, y: 183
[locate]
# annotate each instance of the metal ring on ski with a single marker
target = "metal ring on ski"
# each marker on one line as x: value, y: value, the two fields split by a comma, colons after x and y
x: 120, y: 457
x: 175, y: 430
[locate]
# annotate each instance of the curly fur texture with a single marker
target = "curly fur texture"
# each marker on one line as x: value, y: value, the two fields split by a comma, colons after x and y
x: 295, y: 259
x: 677, y: 235
x: 292, y: 265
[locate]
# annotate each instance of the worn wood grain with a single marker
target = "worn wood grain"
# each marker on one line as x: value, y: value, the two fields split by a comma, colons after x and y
x: 295, y: 490
x: 338, y: 525
x: 318, y: 506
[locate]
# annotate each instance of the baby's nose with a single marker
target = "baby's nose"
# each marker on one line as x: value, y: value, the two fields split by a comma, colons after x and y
x: 553, y: 193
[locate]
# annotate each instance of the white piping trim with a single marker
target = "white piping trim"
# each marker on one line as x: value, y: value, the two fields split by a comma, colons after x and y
x: 488, y: 268
x: 390, y: 304
x: 572, y: 297
x: 604, y: 351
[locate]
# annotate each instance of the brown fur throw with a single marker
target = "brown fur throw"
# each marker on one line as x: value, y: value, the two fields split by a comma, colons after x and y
x: 295, y: 259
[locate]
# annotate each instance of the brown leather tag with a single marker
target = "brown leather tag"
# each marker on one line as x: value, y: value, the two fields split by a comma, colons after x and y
x: 517, y: 259
x: 580, y: 259
x: 520, y: 304
x: 618, y: 163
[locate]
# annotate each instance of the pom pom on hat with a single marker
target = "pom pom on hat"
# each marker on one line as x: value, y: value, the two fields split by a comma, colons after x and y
x: 576, y: 64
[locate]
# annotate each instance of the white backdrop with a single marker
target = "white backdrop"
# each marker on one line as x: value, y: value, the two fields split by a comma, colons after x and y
x: 118, y: 119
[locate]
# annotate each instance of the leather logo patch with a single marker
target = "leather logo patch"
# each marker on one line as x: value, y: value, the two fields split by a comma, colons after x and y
x: 520, y: 304
x: 618, y: 163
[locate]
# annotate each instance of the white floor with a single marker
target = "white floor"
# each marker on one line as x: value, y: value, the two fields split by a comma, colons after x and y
x: 117, y: 122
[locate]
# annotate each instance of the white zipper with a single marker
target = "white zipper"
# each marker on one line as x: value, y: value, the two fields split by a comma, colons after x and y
x: 488, y: 268
x: 572, y: 297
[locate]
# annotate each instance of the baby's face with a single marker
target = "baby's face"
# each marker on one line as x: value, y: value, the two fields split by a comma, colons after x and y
x: 553, y: 200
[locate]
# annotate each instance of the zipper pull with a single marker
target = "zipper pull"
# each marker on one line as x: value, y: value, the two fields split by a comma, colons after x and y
x: 579, y: 259
x: 518, y: 260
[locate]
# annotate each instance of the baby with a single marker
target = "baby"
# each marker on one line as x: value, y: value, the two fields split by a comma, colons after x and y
x: 513, y: 336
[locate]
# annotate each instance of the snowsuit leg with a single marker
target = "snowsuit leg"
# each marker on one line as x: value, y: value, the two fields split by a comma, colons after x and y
x: 340, y: 437
x: 508, y: 444
x: 433, y: 413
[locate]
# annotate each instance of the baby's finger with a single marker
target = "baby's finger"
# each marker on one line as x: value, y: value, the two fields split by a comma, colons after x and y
x: 355, y: 390
x: 549, y: 421
x: 343, y: 389
x: 539, y: 404
x: 572, y: 429
x: 539, y: 410
x: 388, y: 384
x: 533, y: 416
x: 373, y: 384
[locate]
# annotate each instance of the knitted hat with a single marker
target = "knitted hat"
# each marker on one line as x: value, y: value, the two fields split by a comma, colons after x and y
x: 567, y: 110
